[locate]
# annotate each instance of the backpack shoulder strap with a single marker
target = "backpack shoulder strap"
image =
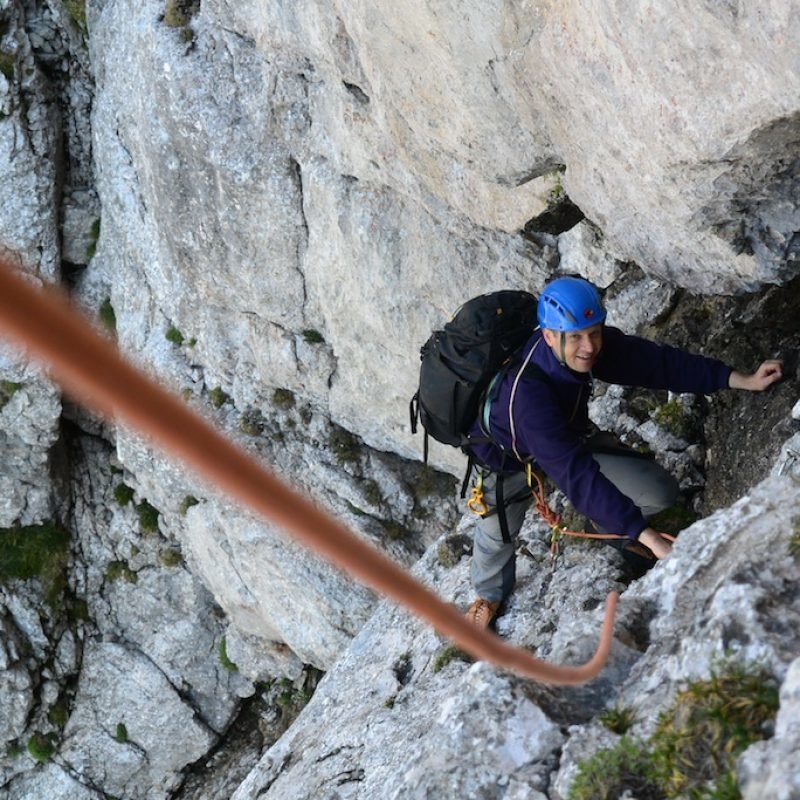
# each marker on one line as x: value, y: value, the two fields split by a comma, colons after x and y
x: 527, y: 368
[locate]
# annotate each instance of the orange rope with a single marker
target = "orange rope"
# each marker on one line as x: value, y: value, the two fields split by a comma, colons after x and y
x: 554, y: 521
x: 90, y: 367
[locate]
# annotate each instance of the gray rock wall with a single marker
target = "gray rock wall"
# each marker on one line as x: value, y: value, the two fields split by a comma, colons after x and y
x: 270, y: 206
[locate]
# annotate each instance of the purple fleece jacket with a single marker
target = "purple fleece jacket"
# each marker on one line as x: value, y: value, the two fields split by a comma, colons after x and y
x: 551, y: 417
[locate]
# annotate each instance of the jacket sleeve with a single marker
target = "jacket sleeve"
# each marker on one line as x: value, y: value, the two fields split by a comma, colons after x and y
x: 632, y: 361
x: 543, y: 433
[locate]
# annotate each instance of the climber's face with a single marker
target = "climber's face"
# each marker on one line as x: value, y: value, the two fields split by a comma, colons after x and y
x: 579, y: 350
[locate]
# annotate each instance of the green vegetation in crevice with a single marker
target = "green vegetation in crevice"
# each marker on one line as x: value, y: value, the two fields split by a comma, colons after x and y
x: 283, y: 399
x: 222, y: 652
x: 344, y: 446
x: 123, y: 494
x: 252, y: 422
x: 447, y: 654
x: 290, y: 697
x: 7, y: 64
x: 394, y: 531
x: 693, y: 751
x: 187, y: 503
x: 120, y: 570
x: 36, y: 551
x: 148, y: 517
x: 121, y: 733
x: 218, y: 397
x: 94, y: 236
x: 77, y: 11
x: 58, y: 715
x: 675, y: 419
x: 174, y: 336
x: 618, y: 720
x: 14, y: 749
x: 794, y: 540
x: 178, y: 14
x: 170, y: 557
x: 42, y: 746
x: 7, y: 390
x: 312, y: 336
x: 108, y: 316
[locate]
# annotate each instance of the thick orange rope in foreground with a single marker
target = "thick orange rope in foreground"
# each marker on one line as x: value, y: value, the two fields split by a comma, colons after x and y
x: 91, y: 368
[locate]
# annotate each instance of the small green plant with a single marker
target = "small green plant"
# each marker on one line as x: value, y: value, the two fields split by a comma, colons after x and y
x: 120, y: 570
x: 7, y: 390
x: 222, y: 651
x: 7, y: 65
x: 14, y: 749
x: 372, y: 493
x: 174, y: 335
x: 77, y: 10
x: 148, y: 517
x: 608, y: 773
x: 447, y: 654
x: 673, y: 418
x: 171, y: 557
x: 107, y: 315
x: 251, y: 422
x: 311, y: 336
x: 94, y: 236
x: 187, y: 503
x: 79, y: 610
x: 192, y: 342
x: 58, y: 715
x: 711, y: 723
x: 283, y: 398
x: 618, y: 720
x: 794, y: 540
x: 41, y: 747
x: 123, y: 494
x: 445, y: 555
x: 344, y: 446
x: 218, y: 397
x: 121, y: 733
x: 395, y: 532
x: 36, y: 551
x: 693, y: 751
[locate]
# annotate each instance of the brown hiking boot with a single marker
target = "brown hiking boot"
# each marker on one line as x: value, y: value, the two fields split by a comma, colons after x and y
x: 482, y: 612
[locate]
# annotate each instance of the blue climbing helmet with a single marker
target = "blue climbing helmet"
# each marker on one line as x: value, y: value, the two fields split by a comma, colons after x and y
x: 570, y: 304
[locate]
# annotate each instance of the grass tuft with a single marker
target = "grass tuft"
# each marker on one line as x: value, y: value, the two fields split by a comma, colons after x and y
x: 36, y: 551
x: 148, y: 517
x: 693, y: 751
x: 222, y: 651
x: 108, y: 316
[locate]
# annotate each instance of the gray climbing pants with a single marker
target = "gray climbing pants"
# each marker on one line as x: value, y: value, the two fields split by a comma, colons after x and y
x: 493, y: 568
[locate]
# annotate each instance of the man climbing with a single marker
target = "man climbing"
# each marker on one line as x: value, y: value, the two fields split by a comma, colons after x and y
x: 538, y: 411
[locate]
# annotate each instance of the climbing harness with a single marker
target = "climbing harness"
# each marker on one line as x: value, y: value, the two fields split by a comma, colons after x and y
x: 558, y: 529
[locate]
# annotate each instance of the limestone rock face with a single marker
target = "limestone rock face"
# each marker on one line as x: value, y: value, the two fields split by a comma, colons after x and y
x: 289, y: 196
x: 400, y: 709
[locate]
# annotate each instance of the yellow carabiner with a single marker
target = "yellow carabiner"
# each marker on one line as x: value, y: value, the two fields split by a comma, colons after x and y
x: 476, y: 503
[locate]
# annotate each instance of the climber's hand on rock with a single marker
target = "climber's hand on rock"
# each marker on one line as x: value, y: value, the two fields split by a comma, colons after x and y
x: 657, y: 542
x: 767, y: 374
